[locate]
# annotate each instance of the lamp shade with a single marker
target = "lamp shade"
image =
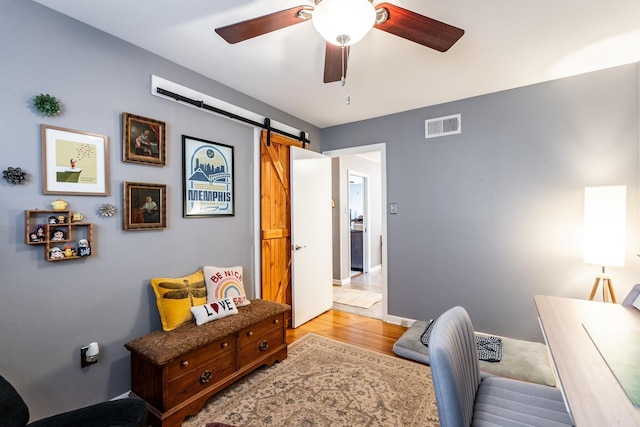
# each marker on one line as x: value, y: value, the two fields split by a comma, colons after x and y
x: 344, y: 22
x: 605, y: 217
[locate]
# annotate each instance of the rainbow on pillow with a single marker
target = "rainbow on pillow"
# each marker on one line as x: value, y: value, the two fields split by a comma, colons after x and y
x: 225, y: 282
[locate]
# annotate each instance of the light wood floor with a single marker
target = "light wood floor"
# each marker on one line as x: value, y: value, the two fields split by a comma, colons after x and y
x: 372, y: 334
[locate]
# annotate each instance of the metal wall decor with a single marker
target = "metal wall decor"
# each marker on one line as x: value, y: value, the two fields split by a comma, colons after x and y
x: 14, y: 175
x: 47, y: 104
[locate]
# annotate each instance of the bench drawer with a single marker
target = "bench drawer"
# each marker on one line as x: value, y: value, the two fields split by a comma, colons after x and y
x: 264, y: 344
x: 200, y: 356
x: 199, y: 378
x: 260, y: 329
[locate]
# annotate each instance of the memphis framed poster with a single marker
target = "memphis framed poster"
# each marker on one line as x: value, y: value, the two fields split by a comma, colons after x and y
x: 207, y: 173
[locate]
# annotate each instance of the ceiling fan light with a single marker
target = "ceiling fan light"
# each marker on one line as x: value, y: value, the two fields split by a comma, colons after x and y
x: 344, y: 22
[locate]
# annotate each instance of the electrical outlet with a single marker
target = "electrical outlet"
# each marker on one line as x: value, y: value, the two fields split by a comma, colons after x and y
x: 87, y: 360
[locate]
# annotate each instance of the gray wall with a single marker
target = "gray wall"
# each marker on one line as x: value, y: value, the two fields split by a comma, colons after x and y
x: 49, y: 310
x: 489, y: 218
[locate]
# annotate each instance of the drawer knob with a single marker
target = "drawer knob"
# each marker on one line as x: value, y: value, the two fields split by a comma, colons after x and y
x: 205, y: 377
x: 264, y: 346
x: 275, y: 322
x: 185, y: 363
x: 225, y: 345
x: 250, y: 333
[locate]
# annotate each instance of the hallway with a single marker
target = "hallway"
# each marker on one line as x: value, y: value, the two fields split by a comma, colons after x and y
x: 371, y: 282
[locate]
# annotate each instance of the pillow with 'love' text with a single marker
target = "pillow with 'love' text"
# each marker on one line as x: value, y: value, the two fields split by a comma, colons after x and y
x: 214, y: 310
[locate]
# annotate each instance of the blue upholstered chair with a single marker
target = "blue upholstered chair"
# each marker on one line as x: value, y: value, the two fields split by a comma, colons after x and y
x: 631, y: 296
x: 465, y: 398
x: 122, y: 412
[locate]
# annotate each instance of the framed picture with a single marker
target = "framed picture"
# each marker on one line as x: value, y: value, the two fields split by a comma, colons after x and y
x: 74, y: 162
x: 143, y: 140
x: 207, y: 173
x: 144, y: 206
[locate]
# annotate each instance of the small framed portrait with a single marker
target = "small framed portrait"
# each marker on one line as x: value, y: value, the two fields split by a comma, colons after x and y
x: 143, y: 140
x: 144, y: 206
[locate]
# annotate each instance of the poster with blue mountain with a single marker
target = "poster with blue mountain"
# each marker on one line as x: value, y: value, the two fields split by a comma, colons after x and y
x: 208, y: 177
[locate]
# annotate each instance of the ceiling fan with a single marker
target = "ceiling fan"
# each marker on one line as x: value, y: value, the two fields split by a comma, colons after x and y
x: 345, y: 22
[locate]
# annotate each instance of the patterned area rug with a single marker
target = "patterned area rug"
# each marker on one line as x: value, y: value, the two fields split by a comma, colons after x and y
x: 355, y: 297
x: 324, y: 382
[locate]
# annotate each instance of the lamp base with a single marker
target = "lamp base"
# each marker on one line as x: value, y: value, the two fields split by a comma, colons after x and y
x: 608, y: 294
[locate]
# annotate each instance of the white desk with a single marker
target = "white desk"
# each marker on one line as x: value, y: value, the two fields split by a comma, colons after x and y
x: 592, y: 392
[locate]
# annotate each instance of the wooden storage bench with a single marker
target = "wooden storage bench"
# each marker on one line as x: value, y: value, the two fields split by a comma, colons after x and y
x: 176, y: 372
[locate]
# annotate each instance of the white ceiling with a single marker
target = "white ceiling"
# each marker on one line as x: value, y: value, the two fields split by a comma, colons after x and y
x: 507, y: 44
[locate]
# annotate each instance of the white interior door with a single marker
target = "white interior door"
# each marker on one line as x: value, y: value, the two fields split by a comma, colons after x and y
x: 311, y: 242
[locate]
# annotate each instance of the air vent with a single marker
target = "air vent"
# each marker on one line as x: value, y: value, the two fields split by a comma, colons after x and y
x: 443, y: 126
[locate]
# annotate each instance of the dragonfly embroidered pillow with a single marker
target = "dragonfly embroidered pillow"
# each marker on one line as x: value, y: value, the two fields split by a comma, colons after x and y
x: 176, y: 296
x: 225, y: 282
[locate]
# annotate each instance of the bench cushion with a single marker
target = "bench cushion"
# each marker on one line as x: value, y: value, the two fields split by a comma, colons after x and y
x: 160, y: 347
x: 521, y: 360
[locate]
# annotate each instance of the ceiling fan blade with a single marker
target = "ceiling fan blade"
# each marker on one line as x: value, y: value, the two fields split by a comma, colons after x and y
x: 250, y: 28
x: 333, y: 64
x: 418, y: 28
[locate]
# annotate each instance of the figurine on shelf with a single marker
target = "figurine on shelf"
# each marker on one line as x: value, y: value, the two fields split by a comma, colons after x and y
x: 77, y: 217
x: 59, y: 205
x: 62, y: 219
x: 57, y: 235
x: 33, y: 237
x: 40, y: 233
x: 83, y: 247
x: 56, y: 253
x: 69, y: 252
x: 53, y: 220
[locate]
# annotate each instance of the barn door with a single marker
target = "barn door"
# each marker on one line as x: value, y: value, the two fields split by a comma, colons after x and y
x: 275, y: 217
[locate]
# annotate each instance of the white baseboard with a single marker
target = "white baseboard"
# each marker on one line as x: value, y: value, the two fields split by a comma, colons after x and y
x: 122, y: 396
x: 342, y: 282
x: 396, y: 320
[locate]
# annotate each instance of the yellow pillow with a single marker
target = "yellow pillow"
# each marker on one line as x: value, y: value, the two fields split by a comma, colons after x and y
x: 176, y: 296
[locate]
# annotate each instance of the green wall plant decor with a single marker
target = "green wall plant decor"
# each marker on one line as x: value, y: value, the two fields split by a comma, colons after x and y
x: 47, y: 104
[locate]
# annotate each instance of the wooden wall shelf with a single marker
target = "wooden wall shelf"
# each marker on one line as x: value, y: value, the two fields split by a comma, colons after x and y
x: 41, y: 227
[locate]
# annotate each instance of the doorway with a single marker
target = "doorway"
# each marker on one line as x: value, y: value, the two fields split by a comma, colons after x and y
x: 369, y: 161
x: 358, y: 245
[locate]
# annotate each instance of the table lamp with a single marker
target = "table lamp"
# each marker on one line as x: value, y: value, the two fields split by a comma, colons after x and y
x: 605, y: 214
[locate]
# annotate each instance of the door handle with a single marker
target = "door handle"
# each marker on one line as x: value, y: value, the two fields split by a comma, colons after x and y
x: 298, y: 247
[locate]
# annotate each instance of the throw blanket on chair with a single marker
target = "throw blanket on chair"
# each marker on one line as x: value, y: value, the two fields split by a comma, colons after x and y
x: 489, y: 346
